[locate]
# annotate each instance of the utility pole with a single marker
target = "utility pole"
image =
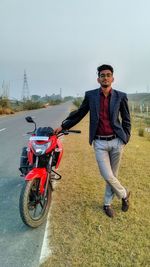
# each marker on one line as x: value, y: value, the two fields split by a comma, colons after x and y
x: 60, y: 93
x: 5, y: 89
x: 25, y: 89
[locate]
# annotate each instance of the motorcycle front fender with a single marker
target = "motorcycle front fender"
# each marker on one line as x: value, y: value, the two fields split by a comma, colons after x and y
x: 40, y: 173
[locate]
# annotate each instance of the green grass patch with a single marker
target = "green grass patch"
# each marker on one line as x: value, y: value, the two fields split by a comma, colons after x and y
x: 80, y: 233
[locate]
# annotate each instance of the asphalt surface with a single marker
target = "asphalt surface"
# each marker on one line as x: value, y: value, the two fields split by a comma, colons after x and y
x: 20, y: 245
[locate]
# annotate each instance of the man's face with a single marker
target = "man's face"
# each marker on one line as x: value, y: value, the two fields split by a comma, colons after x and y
x: 106, y: 78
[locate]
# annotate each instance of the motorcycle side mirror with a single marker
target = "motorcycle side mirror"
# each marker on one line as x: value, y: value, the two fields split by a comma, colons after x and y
x: 29, y: 119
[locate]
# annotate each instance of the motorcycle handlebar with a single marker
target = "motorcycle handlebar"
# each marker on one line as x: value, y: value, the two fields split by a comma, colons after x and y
x: 65, y: 132
x: 74, y: 131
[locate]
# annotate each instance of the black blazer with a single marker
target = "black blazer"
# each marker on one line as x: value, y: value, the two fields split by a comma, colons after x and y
x: 119, y: 114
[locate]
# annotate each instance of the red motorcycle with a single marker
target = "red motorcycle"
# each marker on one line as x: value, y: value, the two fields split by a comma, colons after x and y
x: 38, y: 164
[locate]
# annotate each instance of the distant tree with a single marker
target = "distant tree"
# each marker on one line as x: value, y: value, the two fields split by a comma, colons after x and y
x: 68, y: 98
x: 35, y: 98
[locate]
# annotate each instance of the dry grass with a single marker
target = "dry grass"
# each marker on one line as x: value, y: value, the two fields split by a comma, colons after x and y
x: 81, y: 234
x: 6, y: 111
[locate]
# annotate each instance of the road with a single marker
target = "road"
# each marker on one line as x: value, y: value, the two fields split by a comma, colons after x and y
x: 19, y: 245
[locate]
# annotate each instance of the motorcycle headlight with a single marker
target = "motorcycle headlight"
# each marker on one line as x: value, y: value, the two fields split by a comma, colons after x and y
x: 40, y: 149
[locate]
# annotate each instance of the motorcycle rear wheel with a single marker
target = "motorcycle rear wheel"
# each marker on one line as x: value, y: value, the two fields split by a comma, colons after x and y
x: 33, y: 206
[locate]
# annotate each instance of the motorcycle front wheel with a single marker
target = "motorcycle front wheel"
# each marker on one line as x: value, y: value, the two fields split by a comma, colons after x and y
x: 33, y: 205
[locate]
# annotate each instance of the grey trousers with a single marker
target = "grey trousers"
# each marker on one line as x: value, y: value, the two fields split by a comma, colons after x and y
x: 108, y: 155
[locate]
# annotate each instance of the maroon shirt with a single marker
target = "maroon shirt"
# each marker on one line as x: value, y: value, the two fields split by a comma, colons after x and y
x: 104, y: 126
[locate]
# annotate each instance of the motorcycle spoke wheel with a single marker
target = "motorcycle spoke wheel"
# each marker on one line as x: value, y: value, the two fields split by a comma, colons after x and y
x: 33, y: 205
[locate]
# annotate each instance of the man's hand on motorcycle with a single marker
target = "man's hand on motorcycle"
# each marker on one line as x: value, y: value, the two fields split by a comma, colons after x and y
x: 58, y: 130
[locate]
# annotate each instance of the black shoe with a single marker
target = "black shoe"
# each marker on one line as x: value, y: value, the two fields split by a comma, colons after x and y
x: 125, y: 202
x: 108, y: 211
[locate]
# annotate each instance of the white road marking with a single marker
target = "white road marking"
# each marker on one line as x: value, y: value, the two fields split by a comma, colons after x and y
x: 46, y: 251
x: 2, y: 129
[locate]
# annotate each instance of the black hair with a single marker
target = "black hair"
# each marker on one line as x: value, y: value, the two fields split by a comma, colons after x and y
x: 104, y: 67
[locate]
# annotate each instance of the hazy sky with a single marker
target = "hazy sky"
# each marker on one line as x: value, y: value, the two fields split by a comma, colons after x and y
x: 61, y: 43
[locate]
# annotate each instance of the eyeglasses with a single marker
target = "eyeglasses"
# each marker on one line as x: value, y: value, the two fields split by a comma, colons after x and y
x: 108, y: 75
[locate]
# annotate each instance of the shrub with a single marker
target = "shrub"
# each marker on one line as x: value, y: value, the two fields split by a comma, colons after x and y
x: 8, y: 111
x: 4, y: 102
x: 147, y: 121
x: 1, y: 110
x: 5, y: 107
x: 29, y: 105
x: 77, y: 102
x: 55, y: 102
x: 141, y: 132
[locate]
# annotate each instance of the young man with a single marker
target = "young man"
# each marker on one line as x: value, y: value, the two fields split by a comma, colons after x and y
x: 109, y: 131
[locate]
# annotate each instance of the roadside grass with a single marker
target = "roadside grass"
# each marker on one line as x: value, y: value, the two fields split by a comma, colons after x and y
x: 80, y: 233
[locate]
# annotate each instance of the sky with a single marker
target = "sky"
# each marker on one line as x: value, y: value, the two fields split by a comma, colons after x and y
x: 60, y: 44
